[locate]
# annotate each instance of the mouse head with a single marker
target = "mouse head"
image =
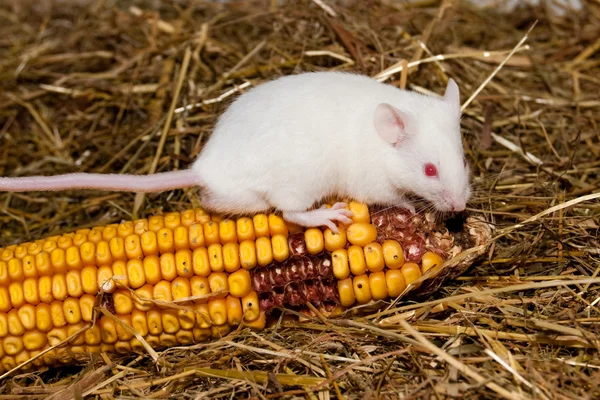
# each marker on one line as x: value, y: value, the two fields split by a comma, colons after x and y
x: 425, y: 152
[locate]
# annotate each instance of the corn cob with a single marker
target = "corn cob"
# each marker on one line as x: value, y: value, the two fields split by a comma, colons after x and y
x: 186, y: 277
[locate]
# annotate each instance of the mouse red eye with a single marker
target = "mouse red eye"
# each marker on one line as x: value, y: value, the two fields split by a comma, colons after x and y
x: 430, y: 170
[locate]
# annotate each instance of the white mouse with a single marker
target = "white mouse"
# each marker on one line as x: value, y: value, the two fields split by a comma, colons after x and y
x: 294, y: 141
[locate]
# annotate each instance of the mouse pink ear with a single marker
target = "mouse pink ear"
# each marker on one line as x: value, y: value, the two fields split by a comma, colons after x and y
x: 452, y: 94
x: 390, y: 123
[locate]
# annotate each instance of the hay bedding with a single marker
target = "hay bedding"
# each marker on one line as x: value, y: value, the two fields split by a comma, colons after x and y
x: 90, y: 88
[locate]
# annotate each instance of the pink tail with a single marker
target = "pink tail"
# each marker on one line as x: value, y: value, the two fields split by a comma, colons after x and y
x: 109, y: 182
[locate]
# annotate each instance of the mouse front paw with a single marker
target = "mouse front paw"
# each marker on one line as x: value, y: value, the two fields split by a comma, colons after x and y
x: 403, y: 203
x: 321, y: 217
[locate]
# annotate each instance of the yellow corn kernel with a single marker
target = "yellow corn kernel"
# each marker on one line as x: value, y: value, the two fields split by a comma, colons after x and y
x: 200, y: 263
x: 199, y: 286
x: 125, y: 229
x: 117, y: 249
x: 88, y: 254
x: 361, y: 233
x: 153, y: 341
x: 20, y: 251
x: 156, y: 223
x: 59, y: 287
x: 103, y: 255
x: 281, y: 248
x: 181, y: 288
x: 34, y: 248
x: 277, y: 225
x: 72, y: 310
x: 89, y: 280
x: 95, y: 235
x: 377, y: 284
x: 86, y: 305
x: 218, y: 331
x: 57, y: 259
x: 162, y: 291
x: 64, y: 242
x: 211, y: 232
x: 78, y: 340
x: 217, y: 309
x: 411, y: 272
x: 74, y: 286
x: 335, y: 241
x: 215, y: 257
x: 93, y: 336
x: 149, y: 243
x: 393, y: 254
x: 165, y: 241
x: 251, y: 307
x: 231, y: 257
x: 170, y: 322
x: 196, y: 236
x: 140, y: 226
x: 313, y: 237
x: 248, y: 254
x: 105, y: 281
x: 5, y: 303
x: 154, y: 319
x: 235, y: 314
x: 202, y: 315
x: 107, y: 348
x: 30, y: 291
x: 201, y: 334
x: 133, y: 247
x: 8, y: 363
x: 361, y: 289
x: 152, y: 270
x: 188, y: 217
x: 42, y: 263
x: 394, y: 281
x: 12, y: 345
x: 185, y: 337
x: 142, y: 298
x: 374, y: 257
x: 139, y: 322
x: 346, y: 292
x: 184, y: 264
x: 356, y: 259
x: 17, y: 295
x: 122, y: 332
x: 43, y: 317
x: 168, y: 339
x: 239, y: 283
x: 187, y: 319
x: 181, y: 238
x: 227, y: 231
x: 168, y: 267
x: 258, y: 324
x: 201, y: 215
x: 22, y: 357
x: 261, y: 225
x: 50, y: 358
x: 172, y: 220
x: 15, y: 270
x: 245, y: 229
x: 27, y: 316
x: 122, y: 347
x: 49, y: 245
x: 34, y: 340
x: 120, y: 273
x: 108, y: 330
x: 58, y: 314
x: 29, y: 270
x: 264, y: 251
x: 217, y: 282
x: 430, y: 260
x: 339, y: 260
x: 123, y: 301
x: 4, y: 324
x: 4, y: 277
x: 15, y: 326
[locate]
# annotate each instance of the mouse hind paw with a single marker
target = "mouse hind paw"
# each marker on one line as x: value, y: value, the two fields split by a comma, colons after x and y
x: 321, y: 217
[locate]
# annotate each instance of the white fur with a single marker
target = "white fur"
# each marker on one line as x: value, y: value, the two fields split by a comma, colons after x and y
x: 290, y: 142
